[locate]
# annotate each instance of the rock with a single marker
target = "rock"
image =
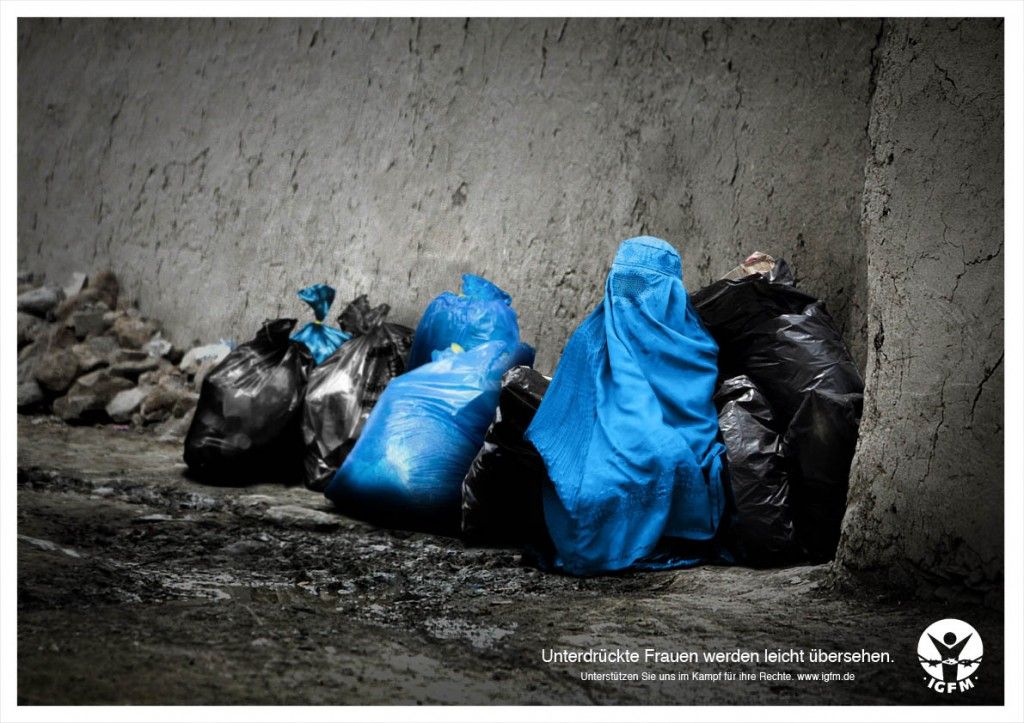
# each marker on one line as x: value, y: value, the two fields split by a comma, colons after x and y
x: 133, y: 332
x: 75, y: 284
x: 124, y: 365
x: 126, y: 403
x: 129, y: 355
x: 169, y: 368
x: 89, y: 396
x: 164, y: 370
x: 88, y: 359
x: 89, y: 322
x: 196, y: 356
x: 167, y: 400
x: 175, y: 428
x: 100, y: 292
x: 40, y: 301
x: 26, y: 277
x: 29, y: 394
x: 33, y: 350
x: 28, y: 359
x: 104, y: 346
x: 56, y: 370
x: 29, y: 329
x: 158, y: 347
x: 104, y: 287
x: 302, y: 517
x: 62, y: 336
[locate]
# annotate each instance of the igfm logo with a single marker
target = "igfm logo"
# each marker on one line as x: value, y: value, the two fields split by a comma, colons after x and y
x: 950, y: 652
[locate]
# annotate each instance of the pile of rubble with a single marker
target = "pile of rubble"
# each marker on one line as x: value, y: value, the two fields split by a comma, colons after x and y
x: 86, y: 355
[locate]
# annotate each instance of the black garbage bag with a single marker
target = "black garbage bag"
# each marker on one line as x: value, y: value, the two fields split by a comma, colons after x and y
x: 246, y: 424
x: 342, y: 390
x: 785, y: 341
x: 760, y: 531
x: 819, y: 444
x: 501, y: 494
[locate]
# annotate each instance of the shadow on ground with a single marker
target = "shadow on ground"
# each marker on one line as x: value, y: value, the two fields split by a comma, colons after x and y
x: 136, y: 585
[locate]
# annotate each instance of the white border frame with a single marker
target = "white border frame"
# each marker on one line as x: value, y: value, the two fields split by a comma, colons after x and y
x: 1013, y: 12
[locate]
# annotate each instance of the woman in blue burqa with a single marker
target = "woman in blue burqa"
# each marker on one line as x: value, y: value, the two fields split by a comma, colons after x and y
x: 627, y: 428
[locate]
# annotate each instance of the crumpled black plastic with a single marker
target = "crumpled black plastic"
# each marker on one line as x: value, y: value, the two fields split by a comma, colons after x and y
x: 245, y: 427
x: 343, y: 389
x: 760, y: 530
x: 785, y: 341
x: 501, y: 494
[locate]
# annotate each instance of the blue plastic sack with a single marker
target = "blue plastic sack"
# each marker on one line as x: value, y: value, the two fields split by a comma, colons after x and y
x: 320, y: 339
x: 406, y: 469
x: 628, y: 430
x: 481, y: 313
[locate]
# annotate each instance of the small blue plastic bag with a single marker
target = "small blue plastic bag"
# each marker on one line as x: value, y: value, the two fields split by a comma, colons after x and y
x: 407, y: 467
x: 481, y: 313
x: 321, y: 340
x: 627, y: 428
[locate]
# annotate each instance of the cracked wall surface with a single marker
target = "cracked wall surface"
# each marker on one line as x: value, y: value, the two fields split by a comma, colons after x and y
x: 218, y: 166
x: 927, y: 483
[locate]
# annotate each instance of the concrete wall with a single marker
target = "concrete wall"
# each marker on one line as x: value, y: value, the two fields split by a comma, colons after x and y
x: 218, y: 166
x: 927, y: 484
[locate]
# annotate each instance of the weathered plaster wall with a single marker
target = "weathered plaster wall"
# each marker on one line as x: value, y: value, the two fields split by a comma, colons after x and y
x: 217, y: 166
x: 927, y: 484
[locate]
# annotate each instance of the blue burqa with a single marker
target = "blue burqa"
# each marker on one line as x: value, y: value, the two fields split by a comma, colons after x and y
x: 627, y: 428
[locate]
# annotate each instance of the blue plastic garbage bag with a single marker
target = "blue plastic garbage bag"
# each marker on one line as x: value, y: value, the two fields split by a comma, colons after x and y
x: 321, y: 340
x: 406, y: 469
x: 628, y: 430
x: 481, y: 313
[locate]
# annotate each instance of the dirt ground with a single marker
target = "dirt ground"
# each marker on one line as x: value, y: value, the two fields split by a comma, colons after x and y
x: 136, y: 585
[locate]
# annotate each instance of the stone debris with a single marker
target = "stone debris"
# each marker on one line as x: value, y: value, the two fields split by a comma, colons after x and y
x: 126, y: 403
x: 29, y: 329
x: 40, y: 301
x: 56, y: 370
x: 167, y: 400
x: 133, y: 332
x: 76, y: 282
x: 101, y: 290
x: 28, y: 359
x: 29, y: 395
x: 89, y: 359
x: 104, y: 346
x: 86, y: 355
x: 88, y: 398
x: 175, y: 428
x: 131, y: 363
x: 158, y: 347
x: 89, y: 322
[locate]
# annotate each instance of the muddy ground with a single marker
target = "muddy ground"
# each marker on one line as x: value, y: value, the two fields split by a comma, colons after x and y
x: 137, y: 585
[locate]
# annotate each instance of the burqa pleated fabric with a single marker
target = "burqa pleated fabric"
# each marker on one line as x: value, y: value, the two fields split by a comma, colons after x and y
x: 628, y: 430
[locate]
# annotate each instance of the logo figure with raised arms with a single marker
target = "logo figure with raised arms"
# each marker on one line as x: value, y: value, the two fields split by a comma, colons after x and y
x: 950, y: 651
